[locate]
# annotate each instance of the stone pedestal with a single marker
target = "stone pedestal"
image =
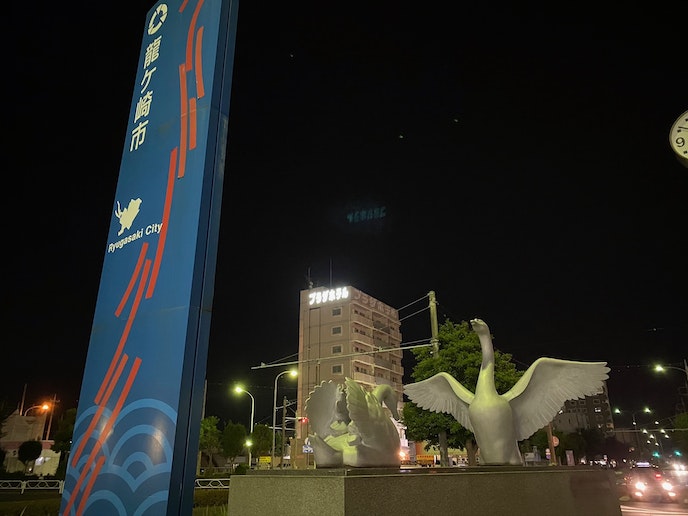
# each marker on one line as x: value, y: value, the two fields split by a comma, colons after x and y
x: 474, y: 491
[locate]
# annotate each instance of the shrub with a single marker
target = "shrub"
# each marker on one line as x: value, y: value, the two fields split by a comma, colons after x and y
x: 210, y: 497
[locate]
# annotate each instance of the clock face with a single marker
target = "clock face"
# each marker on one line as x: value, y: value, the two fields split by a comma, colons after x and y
x: 678, y: 137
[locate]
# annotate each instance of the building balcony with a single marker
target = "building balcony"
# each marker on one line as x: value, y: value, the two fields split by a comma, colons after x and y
x: 364, y: 378
x: 360, y: 318
x: 366, y: 359
x: 360, y: 337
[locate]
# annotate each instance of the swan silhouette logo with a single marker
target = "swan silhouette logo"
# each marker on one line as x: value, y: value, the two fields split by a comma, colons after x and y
x: 127, y: 215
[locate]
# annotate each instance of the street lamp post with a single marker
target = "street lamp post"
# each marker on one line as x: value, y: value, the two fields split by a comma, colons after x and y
x: 645, y: 410
x: 43, y: 406
x: 52, y: 411
x: 253, y: 410
x: 684, y: 370
x: 291, y: 372
x: 661, y: 368
x: 657, y: 434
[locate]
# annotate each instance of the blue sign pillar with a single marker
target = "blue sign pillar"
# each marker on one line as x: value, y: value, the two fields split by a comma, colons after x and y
x: 135, y: 442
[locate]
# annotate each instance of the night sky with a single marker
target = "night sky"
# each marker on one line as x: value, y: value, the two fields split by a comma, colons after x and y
x: 520, y: 158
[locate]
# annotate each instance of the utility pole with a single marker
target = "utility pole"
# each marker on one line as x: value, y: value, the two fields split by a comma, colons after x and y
x: 434, y: 332
x: 684, y: 394
x: 433, y: 322
x: 284, y: 422
x: 52, y: 411
x: 550, y: 442
x: 21, y: 407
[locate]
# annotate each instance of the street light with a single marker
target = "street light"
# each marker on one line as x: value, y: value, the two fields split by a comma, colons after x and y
x: 238, y: 388
x: 645, y: 410
x: 293, y: 373
x: 43, y: 407
x: 662, y: 368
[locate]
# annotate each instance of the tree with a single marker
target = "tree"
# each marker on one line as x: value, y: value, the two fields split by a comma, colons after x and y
x: 538, y: 440
x: 594, y: 443
x: 28, y: 452
x: 280, y: 446
x: 5, y: 412
x: 63, y: 440
x: 460, y: 355
x: 615, y: 449
x: 679, y: 438
x: 209, y: 442
x: 233, y: 440
x: 572, y: 441
x: 262, y: 440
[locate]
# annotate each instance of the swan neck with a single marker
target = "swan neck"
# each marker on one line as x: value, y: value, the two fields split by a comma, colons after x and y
x: 486, y: 375
x: 487, y: 350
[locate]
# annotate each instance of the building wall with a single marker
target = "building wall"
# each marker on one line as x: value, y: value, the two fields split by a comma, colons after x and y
x: 587, y: 413
x: 17, y: 429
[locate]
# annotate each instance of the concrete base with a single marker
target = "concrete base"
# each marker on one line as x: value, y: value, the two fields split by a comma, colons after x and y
x: 488, y: 490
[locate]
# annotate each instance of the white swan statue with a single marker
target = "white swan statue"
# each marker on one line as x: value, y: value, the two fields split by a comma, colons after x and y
x: 499, y: 421
x: 351, y: 427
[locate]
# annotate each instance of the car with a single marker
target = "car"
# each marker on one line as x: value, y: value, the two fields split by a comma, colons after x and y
x: 649, y: 483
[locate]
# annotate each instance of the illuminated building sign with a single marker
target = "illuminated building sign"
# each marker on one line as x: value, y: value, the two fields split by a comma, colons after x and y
x: 327, y: 296
x: 366, y: 214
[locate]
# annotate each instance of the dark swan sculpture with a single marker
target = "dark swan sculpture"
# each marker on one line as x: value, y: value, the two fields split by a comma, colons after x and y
x: 499, y: 421
x: 350, y: 426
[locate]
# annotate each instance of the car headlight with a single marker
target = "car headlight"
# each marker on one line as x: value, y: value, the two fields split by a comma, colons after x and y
x: 667, y: 486
x: 640, y: 486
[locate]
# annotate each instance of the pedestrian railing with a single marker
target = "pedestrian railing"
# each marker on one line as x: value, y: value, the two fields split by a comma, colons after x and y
x: 212, y: 483
x: 23, y: 485
x: 58, y: 485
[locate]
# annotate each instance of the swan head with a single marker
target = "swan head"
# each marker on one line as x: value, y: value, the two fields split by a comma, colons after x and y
x: 480, y: 327
x: 385, y: 394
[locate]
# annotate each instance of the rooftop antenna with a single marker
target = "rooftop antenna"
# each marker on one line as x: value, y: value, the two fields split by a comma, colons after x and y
x: 308, y: 278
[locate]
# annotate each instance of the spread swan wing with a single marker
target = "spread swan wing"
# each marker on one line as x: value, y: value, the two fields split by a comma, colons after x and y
x: 442, y: 393
x: 546, y: 385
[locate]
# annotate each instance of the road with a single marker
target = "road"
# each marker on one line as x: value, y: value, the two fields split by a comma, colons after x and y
x: 653, y: 509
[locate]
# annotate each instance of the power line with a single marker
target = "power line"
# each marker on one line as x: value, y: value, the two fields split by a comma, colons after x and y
x: 263, y: 365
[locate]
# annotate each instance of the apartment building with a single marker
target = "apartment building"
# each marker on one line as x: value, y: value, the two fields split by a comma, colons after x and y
x: 586, y: 413
x: 344, y: 332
